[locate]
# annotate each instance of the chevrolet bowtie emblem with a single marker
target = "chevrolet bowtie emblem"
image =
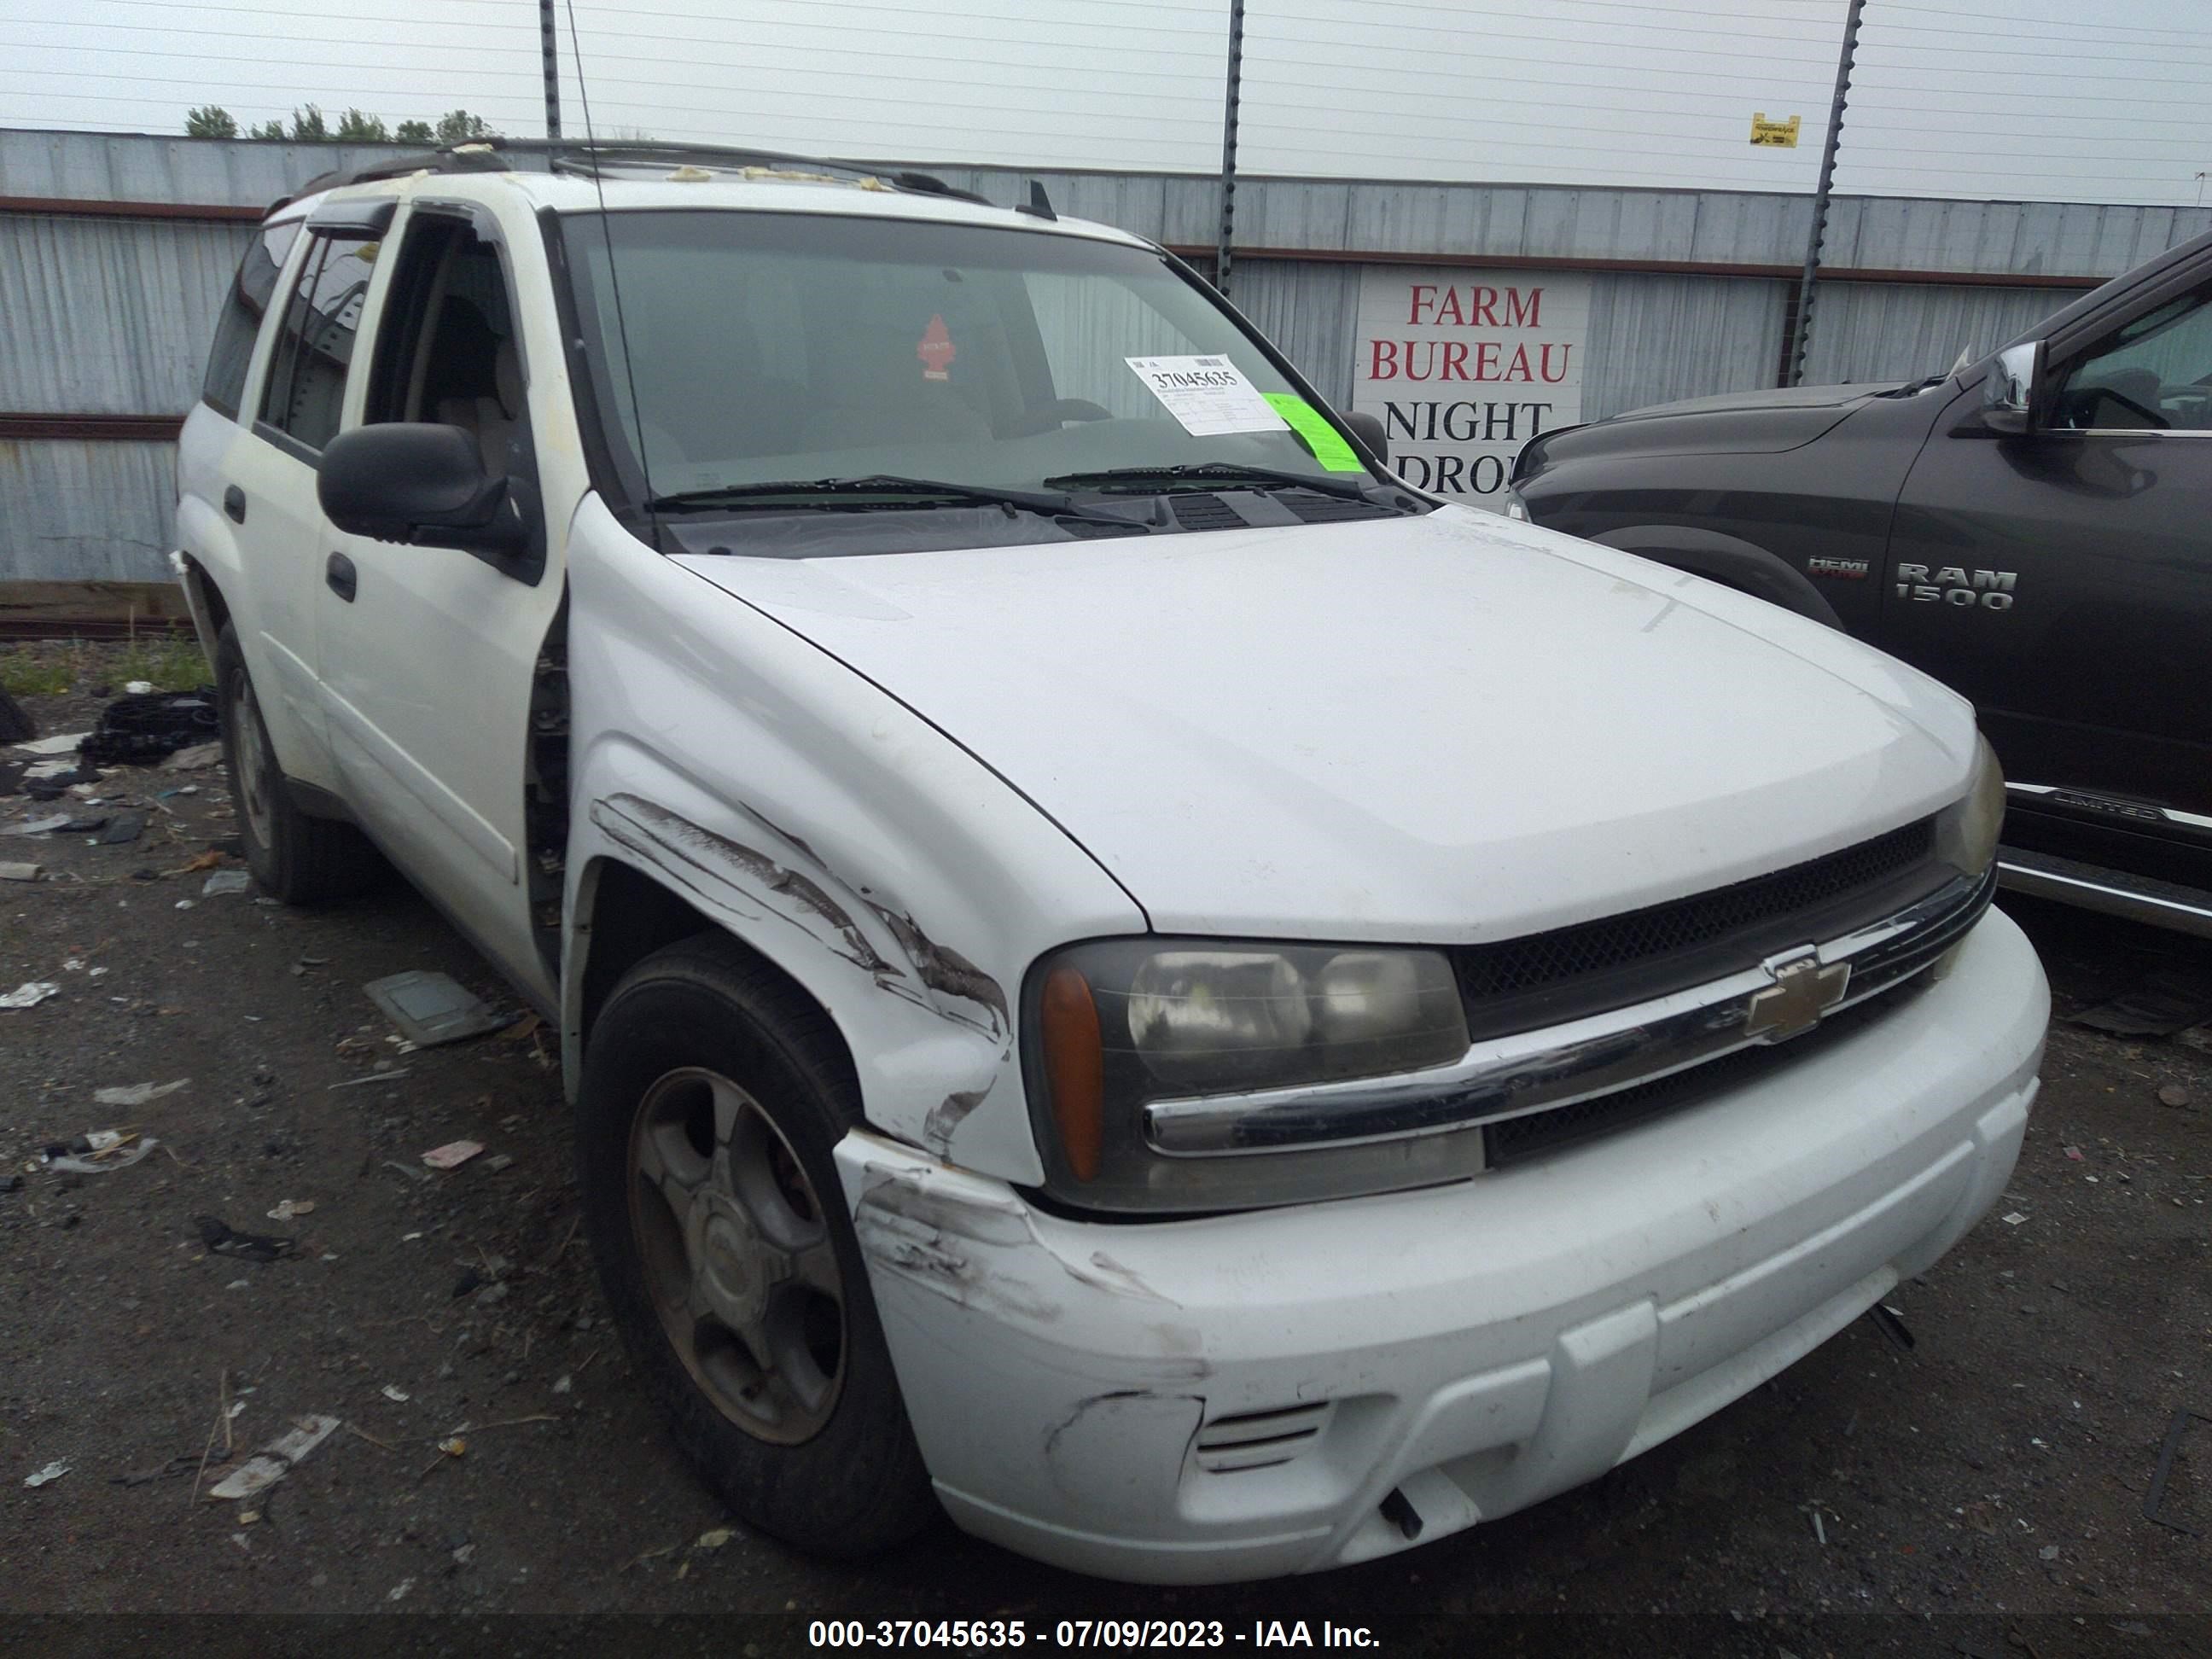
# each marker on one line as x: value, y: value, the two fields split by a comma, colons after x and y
x: 1803, y: 989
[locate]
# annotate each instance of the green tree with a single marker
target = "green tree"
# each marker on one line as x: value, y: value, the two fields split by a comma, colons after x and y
x: 308, y: 127
x: 209, y: 121
x: 459, y: 127
x: 271, y: 131
x: 414, y: 132
x: 357, y: 128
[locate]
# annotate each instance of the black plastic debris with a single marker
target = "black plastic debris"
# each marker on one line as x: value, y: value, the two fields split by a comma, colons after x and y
x: 223, y: 1239
x: 135, y: 731
x: 122, y: 829
x: 2160, y: 1005
x: 15, y: 725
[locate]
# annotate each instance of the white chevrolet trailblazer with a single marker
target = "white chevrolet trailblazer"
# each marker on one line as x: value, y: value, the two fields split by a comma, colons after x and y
x: 1121, y: 972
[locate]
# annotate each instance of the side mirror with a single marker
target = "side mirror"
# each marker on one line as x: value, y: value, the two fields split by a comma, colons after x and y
x: 417, y: 483
x: 1368, y: 428
x: 2008, y: 390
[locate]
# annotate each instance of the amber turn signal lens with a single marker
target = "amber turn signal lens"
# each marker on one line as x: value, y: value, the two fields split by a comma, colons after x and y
x: 1075, y: 1069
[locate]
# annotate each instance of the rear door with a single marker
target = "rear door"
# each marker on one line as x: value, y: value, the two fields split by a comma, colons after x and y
x: 2063, y: 580
x: 429, y: 656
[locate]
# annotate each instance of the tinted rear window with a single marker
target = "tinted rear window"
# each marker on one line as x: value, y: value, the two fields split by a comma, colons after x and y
x: 224, y: 389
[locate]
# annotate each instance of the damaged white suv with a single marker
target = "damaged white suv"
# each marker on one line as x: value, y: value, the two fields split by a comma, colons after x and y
x: 1121, y: 972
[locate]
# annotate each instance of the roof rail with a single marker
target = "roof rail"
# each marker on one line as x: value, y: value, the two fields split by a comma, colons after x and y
x: 476, y: 155
x: 593, y: 161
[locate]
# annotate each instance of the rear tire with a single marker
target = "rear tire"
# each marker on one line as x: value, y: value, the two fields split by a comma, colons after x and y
x: 712, y: 1095
x: 295, y: 857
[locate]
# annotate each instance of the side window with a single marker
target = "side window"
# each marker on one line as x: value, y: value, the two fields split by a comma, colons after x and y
x: 447, y: 352
x: 308, y: 371
x: 2153, y: 373
x: 240, y: 326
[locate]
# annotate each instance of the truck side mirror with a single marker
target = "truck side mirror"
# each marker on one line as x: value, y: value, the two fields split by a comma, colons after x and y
x: 2009, y: 389
x: 1368, y: 428
x: 419, y: 482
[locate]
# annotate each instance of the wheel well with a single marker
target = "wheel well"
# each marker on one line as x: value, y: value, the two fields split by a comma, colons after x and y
x: 632, y: 916
x: 218, y: 609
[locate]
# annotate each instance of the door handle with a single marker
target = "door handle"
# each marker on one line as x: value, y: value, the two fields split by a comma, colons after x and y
x: 234, y: 502
x: 338, y: 575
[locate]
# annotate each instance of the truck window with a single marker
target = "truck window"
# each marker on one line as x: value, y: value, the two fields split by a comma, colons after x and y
x: 308, y: 373
x: 447, y: 352
x: 240, y: 325
x: 2153, y: 373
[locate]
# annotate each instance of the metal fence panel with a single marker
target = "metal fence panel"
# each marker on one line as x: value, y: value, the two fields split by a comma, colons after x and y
x: 80, y: 510
x: 1901, y: 331
x: 109, y: 316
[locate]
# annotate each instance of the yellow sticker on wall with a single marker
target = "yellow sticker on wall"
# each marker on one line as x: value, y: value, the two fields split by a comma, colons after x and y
x: 1325, y: 441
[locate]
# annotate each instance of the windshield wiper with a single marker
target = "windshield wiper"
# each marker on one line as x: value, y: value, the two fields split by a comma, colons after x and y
x: 1216, y: 472
x: 1051, y: 504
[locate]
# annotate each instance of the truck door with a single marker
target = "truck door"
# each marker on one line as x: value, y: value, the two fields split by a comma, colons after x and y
x: 428, y: 654
x: 2063, y: 579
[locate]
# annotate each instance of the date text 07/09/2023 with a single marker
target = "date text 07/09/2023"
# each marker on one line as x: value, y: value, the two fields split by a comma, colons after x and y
x: 1123, y: 1633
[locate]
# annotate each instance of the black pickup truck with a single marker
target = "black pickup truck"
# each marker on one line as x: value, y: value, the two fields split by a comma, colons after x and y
x: 2034, y: 529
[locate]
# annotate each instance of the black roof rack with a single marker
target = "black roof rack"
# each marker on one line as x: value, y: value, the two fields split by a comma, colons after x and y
x: 477, y: 155
x: 593, y: 161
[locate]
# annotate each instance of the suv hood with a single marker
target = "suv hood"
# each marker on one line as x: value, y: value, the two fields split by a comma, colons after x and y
x: 1734, y: 424
x: 1445, y: 728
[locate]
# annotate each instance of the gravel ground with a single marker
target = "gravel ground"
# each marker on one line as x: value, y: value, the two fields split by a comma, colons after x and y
x: 1998, y: 1466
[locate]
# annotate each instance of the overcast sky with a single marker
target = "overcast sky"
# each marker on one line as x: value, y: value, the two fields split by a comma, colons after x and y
x: 2011, y: 99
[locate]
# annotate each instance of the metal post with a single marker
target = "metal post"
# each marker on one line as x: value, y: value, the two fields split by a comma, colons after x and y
x: 1793, y: 356
x: 1229, y: 145
x: 548, y: 46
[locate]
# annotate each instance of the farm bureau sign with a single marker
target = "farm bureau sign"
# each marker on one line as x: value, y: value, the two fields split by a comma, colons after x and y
x: 1463, y: 367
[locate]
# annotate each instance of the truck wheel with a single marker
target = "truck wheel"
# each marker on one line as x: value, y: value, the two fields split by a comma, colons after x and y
x: 297, y: 859
x: 712, y: 1095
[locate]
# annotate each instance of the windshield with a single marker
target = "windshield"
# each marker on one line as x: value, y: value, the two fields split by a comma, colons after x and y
x: 768, y: 348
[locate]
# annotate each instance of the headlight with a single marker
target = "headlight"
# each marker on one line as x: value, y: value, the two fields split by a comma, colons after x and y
x: 1117, y: 1024
x: 1967, y: 834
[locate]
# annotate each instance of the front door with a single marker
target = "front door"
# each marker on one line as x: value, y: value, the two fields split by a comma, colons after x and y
x: 2063, y: 580
x: 429, y: 655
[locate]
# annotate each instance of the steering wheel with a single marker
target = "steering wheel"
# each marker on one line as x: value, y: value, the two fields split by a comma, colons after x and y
x: 1046, y: 416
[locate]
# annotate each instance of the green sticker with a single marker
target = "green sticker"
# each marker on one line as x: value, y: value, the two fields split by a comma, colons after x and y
x: 1325, y: 441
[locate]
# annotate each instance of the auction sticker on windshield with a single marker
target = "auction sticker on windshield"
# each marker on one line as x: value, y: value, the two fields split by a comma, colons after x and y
x: 1209, y: 395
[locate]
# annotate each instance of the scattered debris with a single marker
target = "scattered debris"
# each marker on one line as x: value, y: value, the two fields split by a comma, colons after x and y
x: 199, y: 756
x: 99, y: 1151
x: 12, y: 870
x: 225, y: 881
x: 398, y: 1592
x: 2048, y: 1553
x: 2011, y: 1217
x: 143, y: 726
x: 159, y: 1472
x: 2160, y: 1006
x: 290, y: 1208
x: 2155, y: 1493
x: 223, y: 1239
x: 274, y: 1461
x: 499, y: 1161
x: 407, y: 1169
x: 122, y: 829
x: 563, y: 1384
x: 213, y: 859
x: 138, y: 1094
x: 431, y: 1008
x: 465, y: 1554
x: 2073, y: 1154
x: 395, y: 1393
x: 2174, y: 1095
x: 11, y: 1183
x: 53, y: 1470
x: 37, y: 826
x: 452, y: 1154
x: 65, y: 744
x: 714, y: 1539
x: 393, y: 1076
x: 30, y: 994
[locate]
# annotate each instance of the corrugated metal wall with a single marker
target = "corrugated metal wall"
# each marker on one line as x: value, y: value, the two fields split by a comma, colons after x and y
x: 111, y: 315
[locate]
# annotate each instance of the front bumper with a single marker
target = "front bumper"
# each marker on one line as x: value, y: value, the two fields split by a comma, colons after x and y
x: 1294, y: 1389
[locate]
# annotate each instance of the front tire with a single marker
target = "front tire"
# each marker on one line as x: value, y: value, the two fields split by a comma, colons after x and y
x: 712, y: 1096
x: 295, y: 857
